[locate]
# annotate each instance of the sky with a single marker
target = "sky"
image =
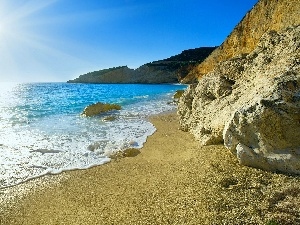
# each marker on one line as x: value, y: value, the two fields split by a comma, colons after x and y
x: 58, y: 40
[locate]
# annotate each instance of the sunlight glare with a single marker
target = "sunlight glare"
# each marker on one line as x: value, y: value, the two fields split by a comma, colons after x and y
x: 27, y: 48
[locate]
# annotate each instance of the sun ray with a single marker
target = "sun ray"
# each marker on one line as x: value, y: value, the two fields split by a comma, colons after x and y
x: 23, y: 48
x: 26, y: 9
x: 34, y: 41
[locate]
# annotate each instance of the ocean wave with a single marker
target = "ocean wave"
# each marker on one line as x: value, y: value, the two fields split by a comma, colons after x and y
x: 46, y: 135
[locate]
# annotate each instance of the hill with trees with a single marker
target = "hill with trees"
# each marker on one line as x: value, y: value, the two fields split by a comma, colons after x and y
x: 170, y: 70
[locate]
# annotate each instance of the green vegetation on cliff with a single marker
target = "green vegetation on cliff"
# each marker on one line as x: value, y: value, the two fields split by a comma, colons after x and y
x: 102, y: 76
x: 191, y: 55
x: 170, y: 70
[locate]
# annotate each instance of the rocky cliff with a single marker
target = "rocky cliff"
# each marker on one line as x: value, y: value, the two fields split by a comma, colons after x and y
x: 265, y: 16
x: 251, y: 103
x: 169, y: 70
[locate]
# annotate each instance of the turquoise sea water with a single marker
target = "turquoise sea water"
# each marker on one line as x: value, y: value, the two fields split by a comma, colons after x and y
x: 42, y: 131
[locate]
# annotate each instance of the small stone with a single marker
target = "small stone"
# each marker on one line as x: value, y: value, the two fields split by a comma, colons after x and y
x: 131, y: 152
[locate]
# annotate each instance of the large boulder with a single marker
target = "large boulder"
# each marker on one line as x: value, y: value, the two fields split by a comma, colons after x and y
x: 266, y: 132
x: 251, y: 103
x: 98, y: 108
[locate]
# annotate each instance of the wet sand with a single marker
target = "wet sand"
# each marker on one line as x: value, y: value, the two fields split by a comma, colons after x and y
x: 173, y: 180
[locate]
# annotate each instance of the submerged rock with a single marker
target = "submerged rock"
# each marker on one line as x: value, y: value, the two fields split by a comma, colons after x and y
x: 109, y: 118
x: 251, y: 103
x: 98, y: 108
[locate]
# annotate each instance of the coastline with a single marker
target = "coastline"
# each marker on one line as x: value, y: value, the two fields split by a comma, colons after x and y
x: 173, y: 181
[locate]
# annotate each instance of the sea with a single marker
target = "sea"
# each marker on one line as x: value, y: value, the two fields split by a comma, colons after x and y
x: 43, y: 132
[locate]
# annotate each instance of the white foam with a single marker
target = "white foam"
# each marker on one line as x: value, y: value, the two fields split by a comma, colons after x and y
x: 56, y: 143
x: 28, y: 154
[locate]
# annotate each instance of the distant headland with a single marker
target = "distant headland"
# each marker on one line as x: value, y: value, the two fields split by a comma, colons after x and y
x: 170, y: 70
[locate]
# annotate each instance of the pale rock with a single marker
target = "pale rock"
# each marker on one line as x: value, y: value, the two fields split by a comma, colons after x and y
x: 251, y: 103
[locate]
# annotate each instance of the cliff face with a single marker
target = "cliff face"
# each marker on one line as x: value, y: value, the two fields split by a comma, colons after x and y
x: 169, y: 70
x: 251, y: 103
x: 265, y: 16
x: 123, y: 75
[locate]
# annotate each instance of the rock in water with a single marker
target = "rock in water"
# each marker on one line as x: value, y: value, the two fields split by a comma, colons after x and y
x: 97, y: 108
x: 178, y: 94
x: 252, y: 104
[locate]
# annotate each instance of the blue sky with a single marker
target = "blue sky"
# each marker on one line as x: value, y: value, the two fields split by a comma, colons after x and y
x: 57, y: 40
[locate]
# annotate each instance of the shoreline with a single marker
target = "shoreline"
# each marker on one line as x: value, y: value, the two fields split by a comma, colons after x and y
x: 173, y: 180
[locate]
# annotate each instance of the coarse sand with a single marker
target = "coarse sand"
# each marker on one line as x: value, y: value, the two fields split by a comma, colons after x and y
x: 173, y: 180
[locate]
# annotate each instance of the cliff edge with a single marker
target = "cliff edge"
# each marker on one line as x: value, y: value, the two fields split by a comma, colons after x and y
x: 265, y: 16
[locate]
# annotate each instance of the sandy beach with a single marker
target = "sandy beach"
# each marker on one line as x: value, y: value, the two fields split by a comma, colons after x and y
x: 173, y: 180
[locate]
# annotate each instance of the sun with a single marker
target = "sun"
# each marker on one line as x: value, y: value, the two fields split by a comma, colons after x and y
x: 26, y: 44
